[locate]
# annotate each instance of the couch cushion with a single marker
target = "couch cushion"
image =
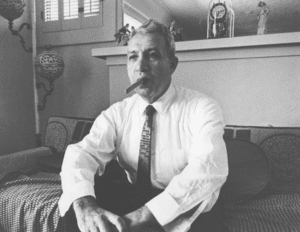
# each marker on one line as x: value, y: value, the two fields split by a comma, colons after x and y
x: 249, y: 171
x: 282, y: 147
x: 62, y: 131
x: 56, y: 136
x: 285, y: 152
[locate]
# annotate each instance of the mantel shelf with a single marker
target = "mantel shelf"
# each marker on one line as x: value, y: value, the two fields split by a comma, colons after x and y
x: 213, y: 44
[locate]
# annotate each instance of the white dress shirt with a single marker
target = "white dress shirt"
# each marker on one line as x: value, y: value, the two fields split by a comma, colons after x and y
x: 188, y: 154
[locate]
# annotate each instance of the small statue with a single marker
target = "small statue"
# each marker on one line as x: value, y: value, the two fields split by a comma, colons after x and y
x: 262, y: 18
x: 176, y: 35
x: 172, y: 28
x: 123, y: 35
x: 179, y: 35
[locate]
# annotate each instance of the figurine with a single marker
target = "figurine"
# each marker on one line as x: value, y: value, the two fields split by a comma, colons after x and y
x: 123, y: 35
x: 172, y: 28
x: 179, y: 35
x: 262, y: 18
x: 176, y: 35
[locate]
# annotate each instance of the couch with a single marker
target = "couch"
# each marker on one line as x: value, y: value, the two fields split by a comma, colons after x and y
x: 261, y: 194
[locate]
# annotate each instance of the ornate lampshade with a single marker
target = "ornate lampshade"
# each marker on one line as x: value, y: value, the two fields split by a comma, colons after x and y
x: 12, y: 9
x: 49, y: 65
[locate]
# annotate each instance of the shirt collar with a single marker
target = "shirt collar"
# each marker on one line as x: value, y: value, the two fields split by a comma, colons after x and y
x: 162, y: 104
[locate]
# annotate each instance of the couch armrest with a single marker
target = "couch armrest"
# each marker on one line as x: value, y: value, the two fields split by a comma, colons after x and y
x: 23, y: 160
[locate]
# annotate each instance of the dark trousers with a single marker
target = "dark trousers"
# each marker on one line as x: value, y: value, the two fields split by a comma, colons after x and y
x: 120, y: 197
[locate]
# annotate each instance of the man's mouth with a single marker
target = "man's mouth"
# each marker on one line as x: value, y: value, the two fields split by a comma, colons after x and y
x: 139, y: 82
x: 144, y: 80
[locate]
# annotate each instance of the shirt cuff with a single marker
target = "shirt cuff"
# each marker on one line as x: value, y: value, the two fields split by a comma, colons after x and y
x: 77, y: 190
x: 163, y: 207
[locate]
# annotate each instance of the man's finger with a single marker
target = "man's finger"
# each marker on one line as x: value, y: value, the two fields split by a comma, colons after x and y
x: 119, y: 223
x: 103, y: 224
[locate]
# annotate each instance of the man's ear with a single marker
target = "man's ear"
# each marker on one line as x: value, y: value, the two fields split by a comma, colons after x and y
x: 173, y: 64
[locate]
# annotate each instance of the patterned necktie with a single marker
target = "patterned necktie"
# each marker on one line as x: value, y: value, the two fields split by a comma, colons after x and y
x: 143, y: 182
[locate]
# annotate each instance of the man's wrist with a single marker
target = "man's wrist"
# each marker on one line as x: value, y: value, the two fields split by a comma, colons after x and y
x: 141, y: 218
x: 82, y: 202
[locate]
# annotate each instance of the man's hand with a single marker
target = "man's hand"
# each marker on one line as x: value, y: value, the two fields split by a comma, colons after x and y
x: 142, y: 220
x: 92, y: 218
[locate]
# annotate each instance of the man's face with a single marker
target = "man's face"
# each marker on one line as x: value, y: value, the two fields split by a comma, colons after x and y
x: 147, y: 57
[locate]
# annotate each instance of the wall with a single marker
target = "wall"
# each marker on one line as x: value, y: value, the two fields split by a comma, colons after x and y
x: 151, y: 9
x: 256, y: 91
x: 16, y: 90
x: 83, y: 89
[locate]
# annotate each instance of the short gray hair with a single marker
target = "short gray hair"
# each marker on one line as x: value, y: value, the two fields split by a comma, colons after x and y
x: 153, y: 26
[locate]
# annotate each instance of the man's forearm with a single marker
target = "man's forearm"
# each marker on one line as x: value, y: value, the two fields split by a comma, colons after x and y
x: 140, y: 219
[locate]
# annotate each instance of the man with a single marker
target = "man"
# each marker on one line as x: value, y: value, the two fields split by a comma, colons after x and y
x: 188, y: 154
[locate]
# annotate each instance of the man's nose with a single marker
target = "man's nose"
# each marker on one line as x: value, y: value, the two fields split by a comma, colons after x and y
x: 142, y: 65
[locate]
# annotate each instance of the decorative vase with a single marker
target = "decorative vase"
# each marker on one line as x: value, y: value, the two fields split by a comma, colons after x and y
x: 49, y: 65
x: 220, y: 19
x: 12, y: 9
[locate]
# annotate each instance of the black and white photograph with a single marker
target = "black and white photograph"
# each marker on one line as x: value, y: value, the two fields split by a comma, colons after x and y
x: 149, y: 116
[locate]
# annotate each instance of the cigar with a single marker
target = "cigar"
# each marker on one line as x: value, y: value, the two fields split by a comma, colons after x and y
x: 136, y: 84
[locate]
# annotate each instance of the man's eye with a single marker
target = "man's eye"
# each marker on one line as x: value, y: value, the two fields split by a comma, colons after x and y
x: 154, y: 55
x: 132, y: 57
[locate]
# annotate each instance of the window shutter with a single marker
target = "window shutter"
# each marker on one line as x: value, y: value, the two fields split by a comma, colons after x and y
x: 91, y: 8
x: 51, y: 10
x: 92, y: 15
x: 71, y: 19
x: 51, y: 16
x: 68, y: 22
x: 71, y: 9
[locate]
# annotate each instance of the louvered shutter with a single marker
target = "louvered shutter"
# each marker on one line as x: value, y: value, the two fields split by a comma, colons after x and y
x: 77, y: 21
x: 71, y: 16
x: 93, y: 13
x: 51, y: 15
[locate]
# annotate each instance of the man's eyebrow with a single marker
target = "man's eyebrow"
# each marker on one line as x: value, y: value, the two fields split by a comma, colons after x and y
x: 131, y: 52
x: 152, y: 49
x: 147, y: 50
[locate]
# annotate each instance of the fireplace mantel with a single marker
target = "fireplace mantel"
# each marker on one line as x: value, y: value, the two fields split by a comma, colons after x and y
x: 225, y: 48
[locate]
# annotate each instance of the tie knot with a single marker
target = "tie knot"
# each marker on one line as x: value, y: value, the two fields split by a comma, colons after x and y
x: 149, y: 110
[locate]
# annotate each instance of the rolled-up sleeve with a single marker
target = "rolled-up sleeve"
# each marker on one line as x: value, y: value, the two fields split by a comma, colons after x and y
x: 84, y: 159
x: 207, y: 169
